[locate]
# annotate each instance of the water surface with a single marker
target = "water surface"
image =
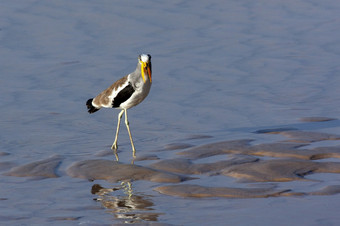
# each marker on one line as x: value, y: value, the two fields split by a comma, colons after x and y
x: 222, y: 70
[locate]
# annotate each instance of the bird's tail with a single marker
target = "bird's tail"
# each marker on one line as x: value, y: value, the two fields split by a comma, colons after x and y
x: 90, y: 108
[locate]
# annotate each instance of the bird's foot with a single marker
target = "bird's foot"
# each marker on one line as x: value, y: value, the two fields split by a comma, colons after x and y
x: 114, y: 146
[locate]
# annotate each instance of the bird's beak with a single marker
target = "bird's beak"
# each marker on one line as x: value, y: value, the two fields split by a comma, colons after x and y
x: 146, y: 67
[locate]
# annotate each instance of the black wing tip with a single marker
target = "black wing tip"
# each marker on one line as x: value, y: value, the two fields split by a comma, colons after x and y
x: 91, y: 109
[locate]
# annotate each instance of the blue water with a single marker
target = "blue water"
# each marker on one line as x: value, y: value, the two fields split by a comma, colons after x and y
x: 220, y: 68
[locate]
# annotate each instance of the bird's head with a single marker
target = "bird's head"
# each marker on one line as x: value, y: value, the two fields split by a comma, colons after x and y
x: 145, y: 62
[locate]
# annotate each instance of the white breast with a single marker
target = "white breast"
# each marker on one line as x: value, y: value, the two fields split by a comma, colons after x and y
x: 141, y: 92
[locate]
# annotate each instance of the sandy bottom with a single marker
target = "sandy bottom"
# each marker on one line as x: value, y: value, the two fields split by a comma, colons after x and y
x: 251, y: 170
x: 290, y: 160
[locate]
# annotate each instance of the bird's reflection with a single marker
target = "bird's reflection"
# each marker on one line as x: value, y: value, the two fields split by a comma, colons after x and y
x: 124, y: 204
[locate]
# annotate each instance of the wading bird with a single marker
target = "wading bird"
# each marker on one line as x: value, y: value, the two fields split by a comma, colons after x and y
x: 125, y: 93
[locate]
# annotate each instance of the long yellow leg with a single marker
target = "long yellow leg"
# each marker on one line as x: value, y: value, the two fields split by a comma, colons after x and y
x: 128, y: 128
x: 114, y: 145
x: 127, y: 187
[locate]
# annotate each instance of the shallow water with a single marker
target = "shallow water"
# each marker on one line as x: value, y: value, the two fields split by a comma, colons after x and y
x: 222, y: 71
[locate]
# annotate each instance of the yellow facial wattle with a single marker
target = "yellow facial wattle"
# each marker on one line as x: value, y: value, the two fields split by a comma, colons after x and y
x: 145, y: 66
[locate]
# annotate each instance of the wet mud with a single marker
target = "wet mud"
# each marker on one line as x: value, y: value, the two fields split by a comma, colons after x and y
x: 280, y: 170
x: 278, y: 162
x: 113, y: 171
x: 41, y: 169
x: 202, y: 191
x: 186, y: 166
